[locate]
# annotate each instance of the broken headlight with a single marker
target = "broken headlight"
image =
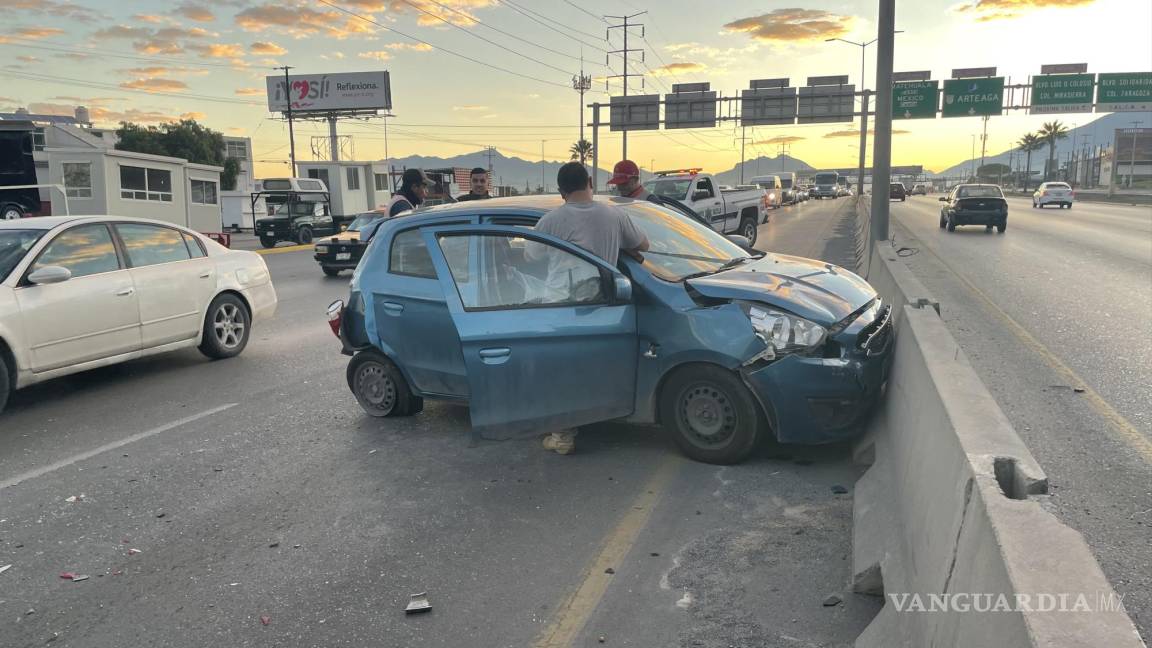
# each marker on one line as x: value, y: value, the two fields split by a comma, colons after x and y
x: 782, y: 333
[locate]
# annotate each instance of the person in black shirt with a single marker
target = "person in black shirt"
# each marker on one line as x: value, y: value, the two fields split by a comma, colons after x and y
x: 479, y: 186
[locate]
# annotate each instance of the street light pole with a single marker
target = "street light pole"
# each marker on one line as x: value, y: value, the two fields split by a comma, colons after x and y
x: 288, y: 112
x: 882, y: 145
x: 1132, y: 163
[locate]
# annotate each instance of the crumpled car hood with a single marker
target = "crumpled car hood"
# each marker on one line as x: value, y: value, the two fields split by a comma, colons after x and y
x: 817, y: 291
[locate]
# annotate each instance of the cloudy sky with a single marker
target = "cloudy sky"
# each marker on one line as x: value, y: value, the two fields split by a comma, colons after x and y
x: 472, y: 73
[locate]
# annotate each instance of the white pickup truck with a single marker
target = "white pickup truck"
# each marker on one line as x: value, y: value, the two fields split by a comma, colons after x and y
x: 729, y: 211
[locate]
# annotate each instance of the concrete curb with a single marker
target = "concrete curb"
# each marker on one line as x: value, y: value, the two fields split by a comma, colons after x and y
x: 951, y: 505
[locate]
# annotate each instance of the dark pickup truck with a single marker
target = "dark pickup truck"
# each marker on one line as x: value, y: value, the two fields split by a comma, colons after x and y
x: 299, y: 210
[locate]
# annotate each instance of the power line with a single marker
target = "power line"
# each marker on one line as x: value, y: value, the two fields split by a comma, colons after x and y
x: 107, y: 86
x: 506, y: 33
x: 573, y: 4
x: 442, y: 49
x: 486, y: 40
x: 98, y: 52
x: 529, y: 12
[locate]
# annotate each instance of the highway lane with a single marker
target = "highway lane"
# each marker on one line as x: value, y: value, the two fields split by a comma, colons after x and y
x: 255, y: 487
x: 1062, y: 301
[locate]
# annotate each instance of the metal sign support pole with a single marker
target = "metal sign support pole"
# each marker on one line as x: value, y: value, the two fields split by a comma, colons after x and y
x: 882, y: 142
x: 333, y: 139
x: 863, y: 140
x: 595, y: 146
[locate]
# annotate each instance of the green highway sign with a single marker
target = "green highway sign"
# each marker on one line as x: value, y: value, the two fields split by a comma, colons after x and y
x: 1125, y: 92
x: 915, y: 99
x: 973, y: 97
x: 1062, y: 93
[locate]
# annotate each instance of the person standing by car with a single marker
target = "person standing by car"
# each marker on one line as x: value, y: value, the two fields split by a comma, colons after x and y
x: 603, y: 230
x: 413, y: 192
x: 479, y: 182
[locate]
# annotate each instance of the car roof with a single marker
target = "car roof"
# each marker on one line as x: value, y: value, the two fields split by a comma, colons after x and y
x: 52, y: 222
x: 518, y: 205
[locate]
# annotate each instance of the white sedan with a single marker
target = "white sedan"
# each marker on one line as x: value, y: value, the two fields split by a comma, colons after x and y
x: 80, y: 292
x: 1053, y: 193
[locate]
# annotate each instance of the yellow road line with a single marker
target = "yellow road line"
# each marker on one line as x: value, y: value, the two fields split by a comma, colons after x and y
x: 1124, y: 429
x: 571, y: 617
x: 282, y: 250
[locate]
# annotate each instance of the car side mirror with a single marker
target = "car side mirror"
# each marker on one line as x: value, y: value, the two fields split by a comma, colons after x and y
x: 943, y: 199
x: 50, y: 275
x: 742, y: 241
x: 622, y: 288
x: 700, y: 194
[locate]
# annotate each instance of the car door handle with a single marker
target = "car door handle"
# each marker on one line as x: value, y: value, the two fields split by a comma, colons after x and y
x: 125, y: 292
x: 392, y: 308
x: 495, y: 356
x: 205, y: 274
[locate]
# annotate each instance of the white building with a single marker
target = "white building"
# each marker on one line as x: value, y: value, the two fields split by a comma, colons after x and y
x: 122, y: 183
x: 353, y: 187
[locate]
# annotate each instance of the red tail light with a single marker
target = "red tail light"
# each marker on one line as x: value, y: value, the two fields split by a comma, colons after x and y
x: 335, y: 316
x: 1045, y: 194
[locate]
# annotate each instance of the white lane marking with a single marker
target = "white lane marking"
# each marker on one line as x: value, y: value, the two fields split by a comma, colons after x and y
x: 44, y: 470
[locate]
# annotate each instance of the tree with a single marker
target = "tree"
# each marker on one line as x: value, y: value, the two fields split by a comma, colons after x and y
x: 581, y: 150
x: 228, y: 177
x: 185, y: 139
x: 1050, y: 132
x: 1028, y: 143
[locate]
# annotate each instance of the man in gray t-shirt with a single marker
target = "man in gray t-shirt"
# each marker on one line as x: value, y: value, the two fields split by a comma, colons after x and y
x: 603, y: 230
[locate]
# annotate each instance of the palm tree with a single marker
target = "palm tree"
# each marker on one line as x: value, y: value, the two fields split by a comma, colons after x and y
x: 1028, y: 143
x: 581, y: 150
x: 1052, y: 131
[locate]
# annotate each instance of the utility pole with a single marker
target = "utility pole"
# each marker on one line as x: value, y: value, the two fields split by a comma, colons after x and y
x: 582, y: 84
x: 743, y: 138
x: 983, y: 144
x: 288, y: 112
x: 882, y: 142
x: 973, y: 162
x: 624, y: 58
x: 543, y: 185
x: 1132, y: 164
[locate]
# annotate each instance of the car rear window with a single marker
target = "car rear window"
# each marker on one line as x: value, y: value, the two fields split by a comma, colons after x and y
x: 979, y: 192
x: 1058, y: 185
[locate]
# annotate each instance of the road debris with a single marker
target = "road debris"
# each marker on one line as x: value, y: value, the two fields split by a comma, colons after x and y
x: 832, y: 600
x: 133, y: 552
x: 371, y: 452
x: 609, y: 571
x: 5, y: 568
x: 274, y: 545
x: 75, y: 498
x: 839, y: 490
x: 418, y: 603
x: 265, y: 620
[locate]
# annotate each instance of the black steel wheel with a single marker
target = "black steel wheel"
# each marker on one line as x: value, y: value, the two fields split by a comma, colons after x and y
x: 711, y: 415
x: 379, y: 386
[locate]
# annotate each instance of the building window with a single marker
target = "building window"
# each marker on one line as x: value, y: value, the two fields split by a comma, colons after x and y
x: 234, y: 149
x: 381, y: 181
x: 78, y: 179
x: 353, y: 179
x: 203, y: 192
x: 139, y: 183
x: 321, y: 175
x: 38, y: 139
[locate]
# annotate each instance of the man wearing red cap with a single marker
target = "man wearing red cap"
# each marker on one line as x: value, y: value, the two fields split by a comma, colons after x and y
x: 626, y: 177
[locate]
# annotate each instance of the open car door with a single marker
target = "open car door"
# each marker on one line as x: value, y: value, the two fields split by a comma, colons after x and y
x: 547, y: 330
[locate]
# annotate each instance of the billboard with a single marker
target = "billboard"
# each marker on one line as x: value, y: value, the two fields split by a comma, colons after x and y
x: 331, y: 92
x: 635, y: 112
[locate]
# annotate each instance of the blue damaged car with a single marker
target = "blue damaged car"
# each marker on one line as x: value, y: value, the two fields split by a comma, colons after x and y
x: 719, y: 346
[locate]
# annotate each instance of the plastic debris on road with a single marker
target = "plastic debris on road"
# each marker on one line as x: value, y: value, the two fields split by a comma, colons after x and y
x: 418, y: 603
x: 75, y: 498
x: 265, y: 620
x: 133, y: 552
x: 5, y: 568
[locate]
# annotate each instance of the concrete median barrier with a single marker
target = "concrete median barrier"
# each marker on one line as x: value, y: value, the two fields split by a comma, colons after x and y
x: 948, y: 521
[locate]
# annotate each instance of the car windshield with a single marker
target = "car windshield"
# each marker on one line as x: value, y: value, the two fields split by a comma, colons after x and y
x: 825, y: 178
x: 14, y: 244
x: 680, y: 246
x: 979, y: 192
x: 786, y: 183
x: 362, y: 220
x: 676, y: 188
x: 298, y: 209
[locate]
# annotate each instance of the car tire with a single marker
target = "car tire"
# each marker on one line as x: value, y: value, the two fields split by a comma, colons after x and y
x: 12, y: 212
x: 304, y: 235
x: 1033, y: 203
x: 943, y: 223
x: 1001, y: 227
x: 1069, y: 205
x: 379, y: 387
x: 330, y: 272
x: 227, y: 327
x: 748, y: 230
x: 691, y: 402
x: 267, y: 242
x: 951, y: 225
x: 987, y: 229
x: 5, y: 384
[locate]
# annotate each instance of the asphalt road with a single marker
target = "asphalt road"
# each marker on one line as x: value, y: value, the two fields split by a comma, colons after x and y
x: 249, y: 502
x: 1061, y: 302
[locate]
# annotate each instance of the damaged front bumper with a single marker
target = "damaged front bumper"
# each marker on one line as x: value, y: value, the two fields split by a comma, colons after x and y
x: 823, y: 399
